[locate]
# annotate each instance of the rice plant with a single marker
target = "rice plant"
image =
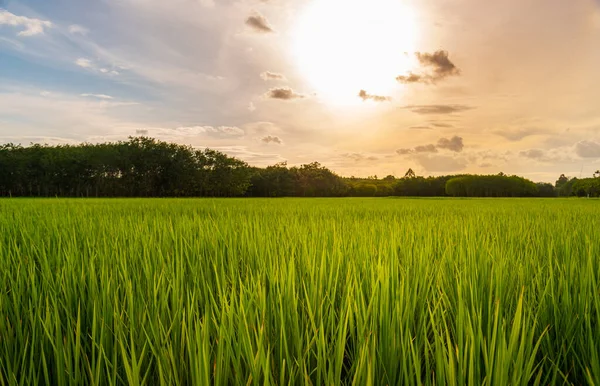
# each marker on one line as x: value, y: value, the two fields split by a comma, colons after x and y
x: 299, y: 291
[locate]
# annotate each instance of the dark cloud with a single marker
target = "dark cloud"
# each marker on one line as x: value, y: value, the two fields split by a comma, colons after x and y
x: 426, y: 149
x: 268, y: 75
x: 377, y: 98
x: 438, y: 109
x: 440, y: 63
x: 272, y: 139
x: 533, y: 154
x: 588, y: 149
x: 141, y: 132
x: 486, y: 165
x: 259, y: 23
x: 420, y: 128
x: 437, y: 66
x: 283, y: 93
x: 453, y: 144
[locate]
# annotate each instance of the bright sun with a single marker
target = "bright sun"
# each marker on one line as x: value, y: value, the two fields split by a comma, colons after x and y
x: 344, y: 46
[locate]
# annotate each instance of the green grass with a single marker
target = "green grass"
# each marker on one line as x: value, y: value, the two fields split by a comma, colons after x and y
x: 292, y: 291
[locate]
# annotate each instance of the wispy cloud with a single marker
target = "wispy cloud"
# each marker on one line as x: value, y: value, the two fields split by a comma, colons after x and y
x: 438, y: 109
x: 519, y: 133
x: 375, y: 98
x: 268, y: 75
x: 98, y: 96
x: 76, y: 29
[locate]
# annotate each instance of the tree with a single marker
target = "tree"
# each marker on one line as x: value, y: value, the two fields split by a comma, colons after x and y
x: 410, y: 174
x: 597, y: 174
x: 561, y: 181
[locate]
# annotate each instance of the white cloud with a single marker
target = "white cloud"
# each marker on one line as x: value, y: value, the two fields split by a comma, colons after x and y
x: 30, y: 26
x: 251, y: 107
x: 85, y: 63
x: 99, y: 96
x: 76, y: 29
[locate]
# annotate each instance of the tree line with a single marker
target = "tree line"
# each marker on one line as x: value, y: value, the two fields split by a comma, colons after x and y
x: 146, y: 167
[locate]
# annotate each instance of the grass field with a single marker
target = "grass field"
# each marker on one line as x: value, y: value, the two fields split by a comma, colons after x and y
x: 292, y: 291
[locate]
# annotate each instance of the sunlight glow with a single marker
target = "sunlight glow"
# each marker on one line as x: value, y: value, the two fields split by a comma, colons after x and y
x: 344, y: 46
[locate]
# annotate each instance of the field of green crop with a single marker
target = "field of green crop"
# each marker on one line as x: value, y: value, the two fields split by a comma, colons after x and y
x: 293, y: 291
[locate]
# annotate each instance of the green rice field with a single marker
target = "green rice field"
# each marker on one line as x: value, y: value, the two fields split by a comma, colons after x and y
x: 299, y: 292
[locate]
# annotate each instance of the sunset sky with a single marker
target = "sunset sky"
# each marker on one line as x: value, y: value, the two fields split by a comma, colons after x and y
x: 366, y: 87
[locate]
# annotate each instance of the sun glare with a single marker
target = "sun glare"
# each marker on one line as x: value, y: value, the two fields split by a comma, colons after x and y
x: 344, y: 46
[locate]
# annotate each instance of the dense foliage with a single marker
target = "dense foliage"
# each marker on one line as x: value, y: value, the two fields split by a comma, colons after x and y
x: 145, y: 167
x: 295, y: 292
x: 587, y: 187
x: 140, y: 167
x: 491, y: 186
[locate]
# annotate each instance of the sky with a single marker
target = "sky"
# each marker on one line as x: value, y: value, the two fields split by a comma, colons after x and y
x: 365, y: 87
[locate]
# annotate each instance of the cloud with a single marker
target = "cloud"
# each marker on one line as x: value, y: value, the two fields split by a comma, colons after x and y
x: 85, y: 63
x: 441, y: 163
x: 440, y: 63
x: 251, y: 107
x: 453, y: 144
x: 261, y: 128
x: 76, y: 29
x: 438, y: 66
x: 141, y: 132
x: 376, y: 98
x: 31, y: 27
x: 189, y: 131
x: 412, y: 78
x: 259, y: 23
x: 533, y: 154
x: 90, y: 65
x: 268, y: 75
x: 283, y: 93
x: 99, y: 96
x: 561, y: 155
x: 588, y: 149
x: 272, y: 139
x: 420, y: 128
x: 518, y: 134
x: 109, y: 72
x: 358, y: 157
x: 426, y: 149
x: 442, y: 124
x: 437, y: 109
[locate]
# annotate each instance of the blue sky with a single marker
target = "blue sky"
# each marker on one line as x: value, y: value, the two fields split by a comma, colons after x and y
x: 514, y: 88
